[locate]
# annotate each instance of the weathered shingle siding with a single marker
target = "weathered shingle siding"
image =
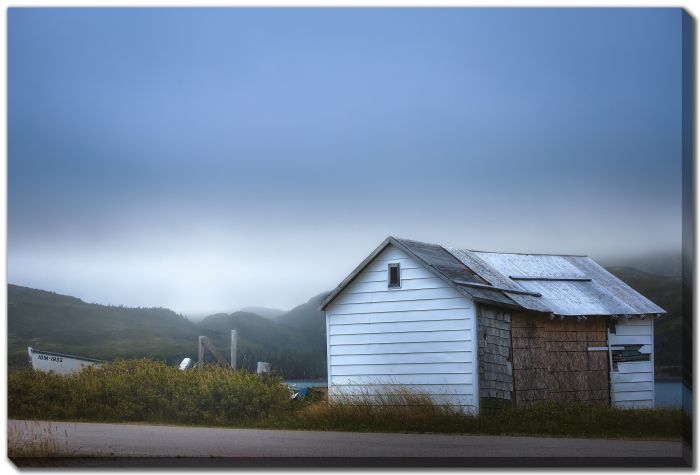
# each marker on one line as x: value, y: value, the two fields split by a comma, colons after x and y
x: 495, y: 366
x: 551, y: 360
x: 419, y: 336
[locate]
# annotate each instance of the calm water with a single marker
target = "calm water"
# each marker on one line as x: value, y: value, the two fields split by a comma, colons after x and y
x: 300, y: 383
x: 668, y: 394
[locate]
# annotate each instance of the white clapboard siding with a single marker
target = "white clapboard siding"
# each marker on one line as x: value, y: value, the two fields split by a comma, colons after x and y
x: 431, y: 389
x: 397, y: 348
x: 631, y: 330
x: 406, y: 284
x: 439, y: 398
x: 403, y: 358
x: 418, y: 336
x: 388, y: 317
x: 419, y: 380
x: 458, y: 301
x: 636, y: 367
x: 632, y: 339
x: 396, y: 296
x: 632, y: 404
x: 403, y: 369
x: 633, y: 382
x: 632, y: 377
x: 639, y: 396
x: 401, y: 337
x: 394, y: 327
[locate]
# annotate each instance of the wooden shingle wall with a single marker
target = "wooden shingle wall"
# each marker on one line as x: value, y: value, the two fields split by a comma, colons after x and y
x: 495, y: 367
x: 551, y: 360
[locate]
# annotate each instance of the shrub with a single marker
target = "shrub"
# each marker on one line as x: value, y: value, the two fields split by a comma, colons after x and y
x: 147, y: 391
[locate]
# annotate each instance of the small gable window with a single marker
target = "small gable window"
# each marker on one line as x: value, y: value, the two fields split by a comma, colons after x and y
x: 394, y: 275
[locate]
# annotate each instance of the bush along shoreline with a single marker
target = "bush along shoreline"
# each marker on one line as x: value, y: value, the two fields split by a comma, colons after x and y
x: 147, y: 391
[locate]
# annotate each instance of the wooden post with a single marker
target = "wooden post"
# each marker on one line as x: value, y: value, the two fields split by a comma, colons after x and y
x: 201, y: 351
x: 234, y: 345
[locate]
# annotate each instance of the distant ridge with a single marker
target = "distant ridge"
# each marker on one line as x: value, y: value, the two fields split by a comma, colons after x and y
x: 265, y: 312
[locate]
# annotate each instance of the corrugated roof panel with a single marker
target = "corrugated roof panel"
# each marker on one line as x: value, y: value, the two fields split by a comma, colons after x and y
x: 530, y: 265
x: 597, y: 292
x: 615, y: 287
x: 495, y: 278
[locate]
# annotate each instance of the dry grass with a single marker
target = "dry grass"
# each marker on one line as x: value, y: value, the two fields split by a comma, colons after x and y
x: 405, y: 410
x: 36, y: 439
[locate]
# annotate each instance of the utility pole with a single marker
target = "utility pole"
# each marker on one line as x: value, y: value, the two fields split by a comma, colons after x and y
x: 200, y: 360
x: 234, y: 345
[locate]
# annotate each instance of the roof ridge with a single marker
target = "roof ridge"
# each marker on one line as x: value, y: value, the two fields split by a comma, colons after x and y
x: 526, y: 253
x: 491, y: 252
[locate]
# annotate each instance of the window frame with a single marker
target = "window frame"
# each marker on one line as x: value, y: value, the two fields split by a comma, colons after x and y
x: 397, y: 266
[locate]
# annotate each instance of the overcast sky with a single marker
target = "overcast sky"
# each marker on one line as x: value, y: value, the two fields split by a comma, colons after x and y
x: 207, y: 160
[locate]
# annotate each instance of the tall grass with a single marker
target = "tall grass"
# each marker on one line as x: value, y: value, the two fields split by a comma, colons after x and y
x: 147, y: 391
x: 36, y: 439
x: 405, y: 410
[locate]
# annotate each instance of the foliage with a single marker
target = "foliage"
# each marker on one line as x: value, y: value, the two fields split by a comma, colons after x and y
x: 147, y: 391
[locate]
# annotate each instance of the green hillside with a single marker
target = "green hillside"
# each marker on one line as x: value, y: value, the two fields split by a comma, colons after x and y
x: 309, y: 321
x: 53, y: 322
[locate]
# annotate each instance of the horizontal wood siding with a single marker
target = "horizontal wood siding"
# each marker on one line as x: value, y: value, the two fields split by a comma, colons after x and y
x: 418, y: 336
x: 551, y: 361
x: 633, y: 382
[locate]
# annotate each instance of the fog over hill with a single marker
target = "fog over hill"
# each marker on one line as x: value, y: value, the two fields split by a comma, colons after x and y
x: 665, y: 263
x: 265, y: 312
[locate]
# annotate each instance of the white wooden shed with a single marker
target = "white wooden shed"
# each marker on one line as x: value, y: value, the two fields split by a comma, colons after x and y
x: 474, y: 328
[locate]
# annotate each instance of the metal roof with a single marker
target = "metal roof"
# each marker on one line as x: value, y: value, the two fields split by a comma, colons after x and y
x: 569, y: 285
x: 558, y: 284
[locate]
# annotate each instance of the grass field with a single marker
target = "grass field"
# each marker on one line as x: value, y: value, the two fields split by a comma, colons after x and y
x: 152, y: 392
